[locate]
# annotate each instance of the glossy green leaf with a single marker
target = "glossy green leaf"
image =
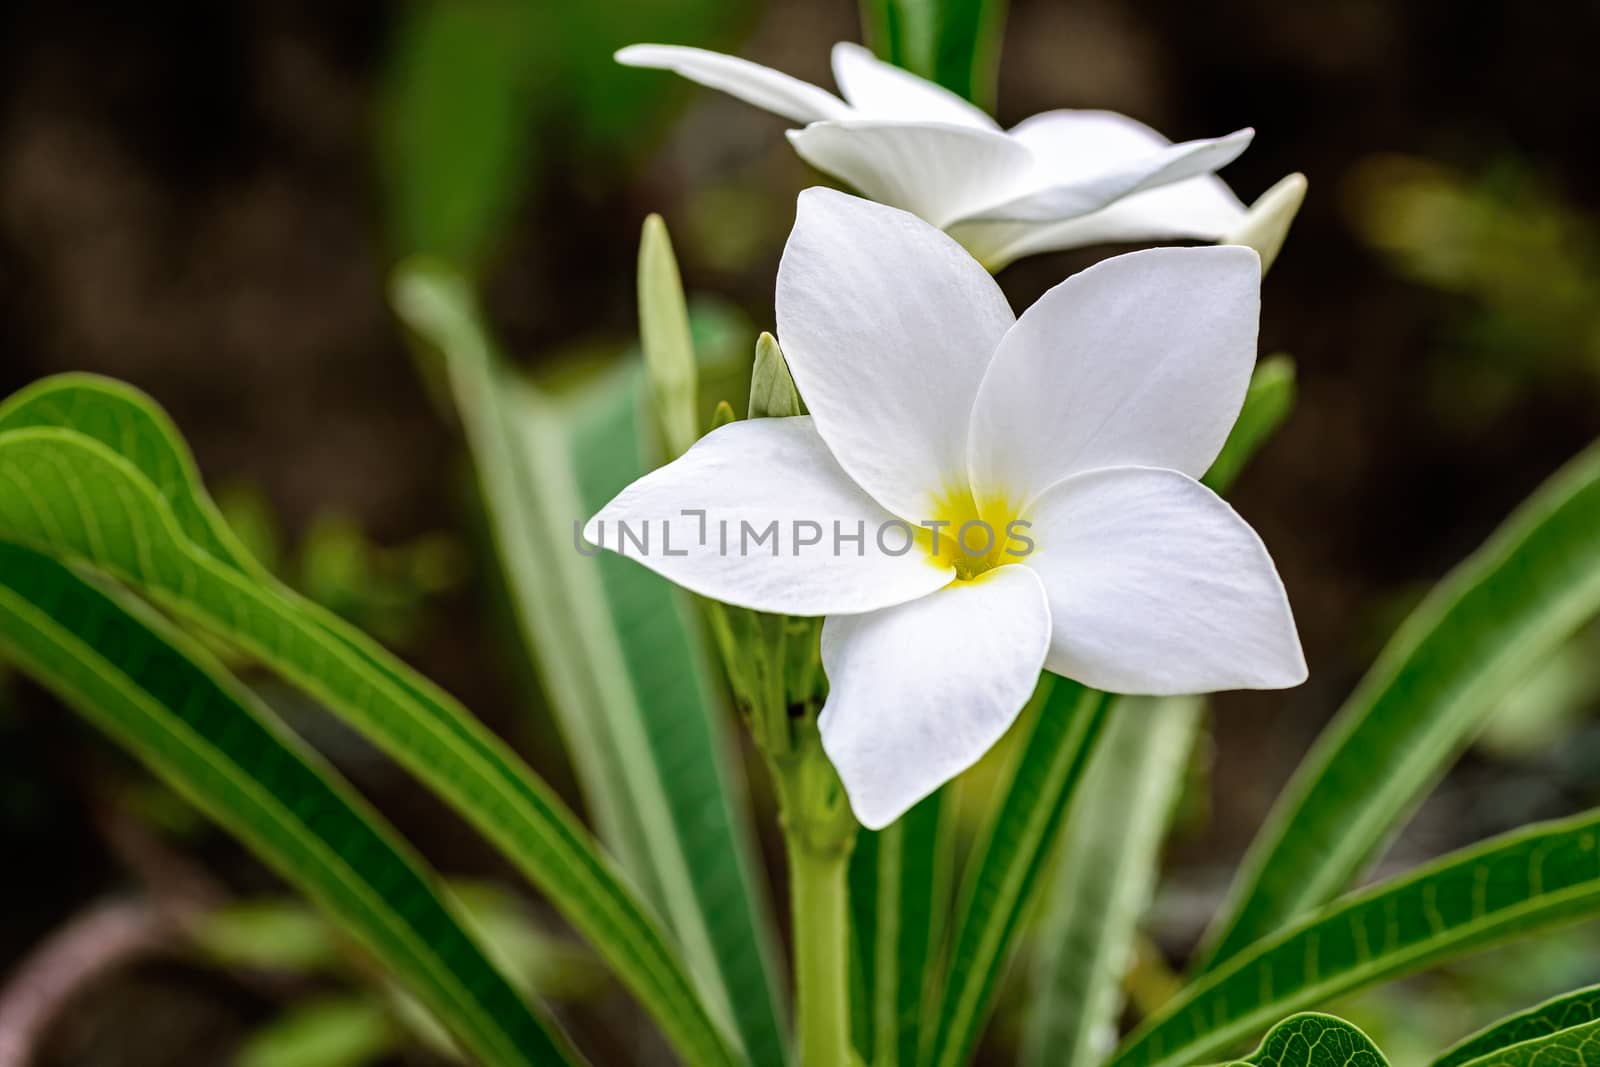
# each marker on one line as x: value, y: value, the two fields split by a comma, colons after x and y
x: 125, y: 421
x: 71, y: 495
x: 1104, y: 877
x: 158, y: 693
x: 955, y: 43
x: 1537, y: 877
x: 1572, y: 1015
x: 899, y: 888
x: 664, y: 336
x: 1515, y: 600
x: 620, y: 653
x: 999, y: 887
x: 1575, y: 1047
x: 1312, y: 1040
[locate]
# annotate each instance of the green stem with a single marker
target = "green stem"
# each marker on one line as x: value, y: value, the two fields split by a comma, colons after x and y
x: 770, y: 666
x: 820, y: 909
x: 819, y: 832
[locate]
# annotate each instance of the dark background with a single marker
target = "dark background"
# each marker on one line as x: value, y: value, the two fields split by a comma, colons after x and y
x: 205, y: 200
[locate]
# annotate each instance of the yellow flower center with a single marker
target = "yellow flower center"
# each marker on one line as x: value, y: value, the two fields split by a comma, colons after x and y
x: 974, y: 536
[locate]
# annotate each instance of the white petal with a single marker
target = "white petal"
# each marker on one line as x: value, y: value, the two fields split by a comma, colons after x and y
x: 764, y: 87
x: 1267, y: 223
x: 938, y: 171
x: 887, y: 325
x: 1073, y: 141
x: 1092, y: 183
x: 1141, y: 360
x: 917, y: 693
x: 756, y: 473
x: 1086, y: 146
x: 879, y: 90
x: 1202, y: 208
x: 1157, y: 587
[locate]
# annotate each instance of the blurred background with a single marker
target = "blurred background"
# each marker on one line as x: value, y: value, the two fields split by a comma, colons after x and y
x: 206, y: 200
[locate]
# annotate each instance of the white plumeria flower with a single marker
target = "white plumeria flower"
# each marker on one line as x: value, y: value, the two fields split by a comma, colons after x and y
x: 1061, y: 179
x: 1086, y: 421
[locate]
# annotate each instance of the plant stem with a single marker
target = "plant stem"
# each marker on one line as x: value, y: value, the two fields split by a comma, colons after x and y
x: 777, y: 689
x: 819, y: 900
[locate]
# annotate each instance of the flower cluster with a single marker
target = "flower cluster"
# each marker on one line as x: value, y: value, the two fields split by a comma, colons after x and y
x: 1083, y: 426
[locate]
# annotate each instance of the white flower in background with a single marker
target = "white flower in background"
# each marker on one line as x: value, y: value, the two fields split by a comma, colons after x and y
x: 1061, y: 179
x: 1086, y: 421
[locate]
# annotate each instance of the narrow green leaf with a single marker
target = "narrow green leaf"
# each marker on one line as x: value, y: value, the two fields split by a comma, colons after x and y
x: 1266, y: 406
x: 1514, y: 884
x: 123, y: 419
x: 955, y: 43
x: 71, y: 496
x: 158, y: 693
x: 1572, y: 1014
x: 1577, y: 1047
x: 1105, y: 873
x: 1515, y: 600
x: 772, y: 389
x: 620, y: 653
x: 1312, y: 1040
x: 664, y: 335
x: 899, y: 885
x: 999, y: 888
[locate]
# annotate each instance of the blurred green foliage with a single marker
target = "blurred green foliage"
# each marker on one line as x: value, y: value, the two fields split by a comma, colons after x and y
x: 483, y: 95
x: 1524, y: 258
x: 359, y: 1019
x: 384, y: 589
x: 344, y: 1031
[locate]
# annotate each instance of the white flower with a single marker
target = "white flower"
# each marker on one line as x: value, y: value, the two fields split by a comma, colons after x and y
x: 1061, y: 179
x: 1081, y: 427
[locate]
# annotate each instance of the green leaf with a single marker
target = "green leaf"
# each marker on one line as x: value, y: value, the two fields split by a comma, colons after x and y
x: 1537, y: 877
x: 158, y: 693
x: 124, y: 420
x: 70, y: 495
x: 1312, y: 1040
x: 1575, y: 1047
x: 955, y: 43
x: 772, y: 389
x: 664, y: 336
x: 1475, y: 637
x: 1571, y: 1015
x: 899, y: 886
x: 1105, y: 873
x: 1266, y: 406
x: 1010, y: 855
x: 620, y: 653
